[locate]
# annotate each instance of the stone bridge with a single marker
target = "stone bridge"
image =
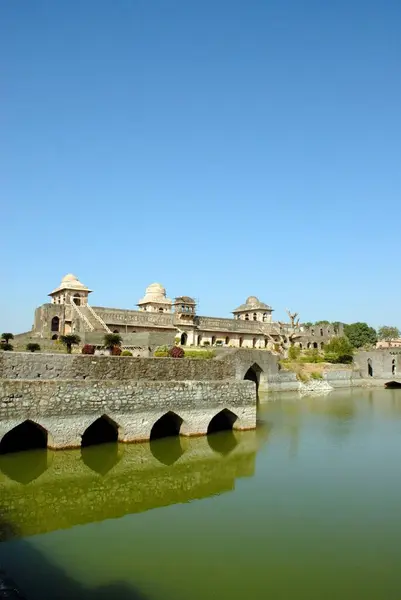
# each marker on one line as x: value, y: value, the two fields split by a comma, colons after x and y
x: 69, y: 401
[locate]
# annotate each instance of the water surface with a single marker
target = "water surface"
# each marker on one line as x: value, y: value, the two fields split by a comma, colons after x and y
x: 308, y: 506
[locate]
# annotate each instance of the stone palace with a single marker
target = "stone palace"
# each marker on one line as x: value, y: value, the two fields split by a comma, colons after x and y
x: 252, y: 325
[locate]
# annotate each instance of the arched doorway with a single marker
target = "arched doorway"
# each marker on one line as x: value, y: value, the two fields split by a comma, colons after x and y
x: 253, y: 374
x: 55, y: 325
x: 227, y: 341
x: 223, y: 421
x: 102, y: 431
x: 199, y: 340
x: 26, y: 436
x: 254, y: 343
x: 213, y: 340
x: 183, y: 339
x: 370, y: 367
x: 241, y: 341
x: 315, y: 345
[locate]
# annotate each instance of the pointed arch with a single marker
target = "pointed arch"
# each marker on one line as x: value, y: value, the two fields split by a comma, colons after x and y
x: 167, y: 426
x: 55, y: 324
x: 223, y: 421
x: 28, y: 435
x: 102, y: 431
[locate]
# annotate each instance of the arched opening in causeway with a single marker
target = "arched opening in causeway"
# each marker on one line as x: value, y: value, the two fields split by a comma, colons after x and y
x: 26, y: 436
x: 168, y: 425
x: 253, y: 374
x: 55, y: 325
x: 165, y: 442
x: 183, y: 339
x: 102, y: 431
x: 223, y: 421
x: 370, y: 367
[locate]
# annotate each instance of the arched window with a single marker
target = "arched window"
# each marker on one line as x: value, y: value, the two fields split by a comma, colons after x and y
x: 227, y: 341
x: 315, y: 345
x: 264, y: 317
x: 246, y: 317
x: 241, y: 341
x: 370, y: 367
x: 213, y: 340
x: 161, y: 309
x: 199, y: 339
x: 312, y: 331
x: 77, y: 299
x: 55, y: 324
x: 183, y: 339
x: 300, y: 345
x: 321, y: 332
x: 254, y: 343
x: 255, y: 316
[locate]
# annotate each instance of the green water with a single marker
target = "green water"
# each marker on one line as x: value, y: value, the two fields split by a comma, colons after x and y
x: 306, y: 507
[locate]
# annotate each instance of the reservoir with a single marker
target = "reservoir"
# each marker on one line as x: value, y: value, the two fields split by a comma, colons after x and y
x: 308, y: 506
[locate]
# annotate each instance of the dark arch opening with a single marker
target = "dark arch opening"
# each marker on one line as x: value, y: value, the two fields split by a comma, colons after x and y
x: 167, y: 426
x: 101, y: 431
x: 223, y: 421
x: 253, y: 374
x: 227, y: 341
x: 254, y: 343
x: 116, y: 331
x: 77, y: 299
x: 55, y: 337
x: 55, y: 324
x: 183, y: 339
x: 390, y: 385
x: 213, y: 340
x: 393, y: 366
x: 315, y: 345
x: 199, y: 340
x: 370, y: 367
x: 27, y: 436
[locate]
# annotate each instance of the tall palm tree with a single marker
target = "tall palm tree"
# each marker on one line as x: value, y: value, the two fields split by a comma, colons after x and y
x: 112, y: 339
x: 69, y: 341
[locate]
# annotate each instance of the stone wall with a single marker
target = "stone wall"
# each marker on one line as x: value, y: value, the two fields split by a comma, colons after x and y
x: 66, y: 408
x: 385, y: 364
x: 28, y: 365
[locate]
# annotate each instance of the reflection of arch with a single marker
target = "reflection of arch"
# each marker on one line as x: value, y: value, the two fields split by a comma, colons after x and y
x: 55, y: 326
x: 77, y: 299
x: 183, y: 339
x: 370, y: 367
x: 102, y: 431
x: 25, y: 467
x: 26, y: 436
x: 168, y: 425
x: 167, y: 450
x: 101, y: 458
x: 223, y: 421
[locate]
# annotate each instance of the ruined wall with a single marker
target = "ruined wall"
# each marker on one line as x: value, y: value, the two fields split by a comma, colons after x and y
x: 385, y: 363
x: 27, y: 365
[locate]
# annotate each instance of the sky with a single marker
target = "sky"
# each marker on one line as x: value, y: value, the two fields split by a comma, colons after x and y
x: 223, y: 148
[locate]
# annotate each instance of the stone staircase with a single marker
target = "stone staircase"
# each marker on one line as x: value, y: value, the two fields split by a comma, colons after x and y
x: 91, y: 320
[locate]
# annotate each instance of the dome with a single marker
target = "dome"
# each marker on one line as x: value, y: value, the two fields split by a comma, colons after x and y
x: 155, y: 293
x: 70, y: 282
x: 252, y: 300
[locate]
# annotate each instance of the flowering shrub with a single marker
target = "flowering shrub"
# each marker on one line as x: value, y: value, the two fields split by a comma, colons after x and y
x: 88, y: 349
x: 176, y: 352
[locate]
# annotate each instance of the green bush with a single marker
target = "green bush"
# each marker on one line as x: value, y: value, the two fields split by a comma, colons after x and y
x: 33, y: 347
x: 6, y: 347
x: 311, y: 356
x: 294, y: 352
x: 201, y: 354
x: 126, y: 353
x: 339, y: 350
x: 160, y: 353
x: 316, y: 375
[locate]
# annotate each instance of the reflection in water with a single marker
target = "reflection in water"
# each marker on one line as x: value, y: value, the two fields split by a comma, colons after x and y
x: 102, y: 458
x: 167, y: 450
x: 223, y: 443
x: 25, y: 467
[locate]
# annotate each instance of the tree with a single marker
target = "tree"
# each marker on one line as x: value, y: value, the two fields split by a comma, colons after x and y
x: 112, y: 339
x: 324, y: 322
x: 6, y: 347
x: 360, y: 334
x: 339, y: 350
x: 33, y: 347
x: 69, y: 341
x: 308, y: 324
x: 7, y: 337
x: 388, y: 333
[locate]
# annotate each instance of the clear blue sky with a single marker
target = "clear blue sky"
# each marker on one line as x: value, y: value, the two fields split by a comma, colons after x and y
x: 224, y: 148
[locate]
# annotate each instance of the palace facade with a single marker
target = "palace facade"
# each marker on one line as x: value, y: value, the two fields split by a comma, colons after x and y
x: 252, y: 325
